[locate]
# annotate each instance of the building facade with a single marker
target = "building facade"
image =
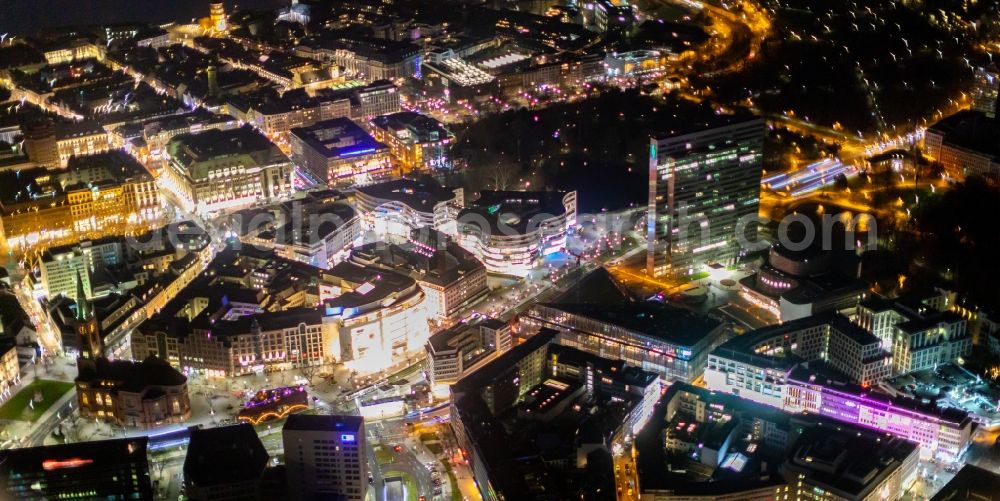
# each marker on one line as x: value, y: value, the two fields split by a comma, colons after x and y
x: 133, y: 394
x: 219, y: 170
x: 325, y: 456
x: 105, y: 469
x: 416, y: 142
x: 511, y: 231
x: 338, y: 151
x: 701, y: 185
x: 394, y: 209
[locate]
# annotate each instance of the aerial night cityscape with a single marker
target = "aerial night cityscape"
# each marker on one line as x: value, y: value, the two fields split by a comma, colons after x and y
x: 500, y: 250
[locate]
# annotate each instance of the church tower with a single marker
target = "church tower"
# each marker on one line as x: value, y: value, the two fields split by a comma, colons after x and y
x: 217, y: 13
x: 89, y: 336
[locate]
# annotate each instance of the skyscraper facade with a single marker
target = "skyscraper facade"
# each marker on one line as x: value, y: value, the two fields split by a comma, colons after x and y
x: 325, y: 456
x: 985, y: 89
x: 703, y: 181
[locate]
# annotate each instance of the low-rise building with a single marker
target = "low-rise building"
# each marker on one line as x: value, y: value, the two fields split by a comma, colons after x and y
x: 506, y: 415
x: 942, y: 433
x: 276, y: 115
x: 78, y: 139
x: 368, y: 58
x: 312, y: 231
x: 705, y: 445
x: 850, y: 464
x: 95, y: 196
x: 338, y: 151
x: 219, y: 170
x: 510, y: 231
x: 599, y: 316
x: 378, y: 316
x: 149, y: 139
x: 394, y: 209
x: 965, y: 144
x: 10, y: 368
x: 416, y: 142
x: 250, y: 311
x: 921, y: 332
x: 827, y: 366
x: 451, y: 277
x: 797, y: 284
x: 755, y: 365
x: 134, y: 394
x: 459, y: 350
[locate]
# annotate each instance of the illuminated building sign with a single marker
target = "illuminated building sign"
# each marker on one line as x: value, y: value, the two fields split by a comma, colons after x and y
x: 347, y: 437
x: 354, y: 153
x: 58, y: 464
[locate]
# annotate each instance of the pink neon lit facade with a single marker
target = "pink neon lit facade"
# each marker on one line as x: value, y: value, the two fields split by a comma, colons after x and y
x: 942, y: 434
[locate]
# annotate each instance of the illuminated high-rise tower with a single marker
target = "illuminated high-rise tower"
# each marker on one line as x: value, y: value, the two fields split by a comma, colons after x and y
x: 217, y: 12
x: 704, y: 178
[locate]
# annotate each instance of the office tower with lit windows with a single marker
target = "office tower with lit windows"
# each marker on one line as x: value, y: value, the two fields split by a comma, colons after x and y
x: 325, y: 457
x: 985, y: 89
x: 704, y: 177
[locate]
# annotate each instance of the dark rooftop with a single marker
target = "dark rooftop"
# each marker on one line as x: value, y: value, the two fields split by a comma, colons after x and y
x: 972, y: 130
x: 418, y: 195
x: 972, y: 483
x: 517, y: 210
x: 848, y: 460
x: 224, y: 455
x: 338, y: 138
x: 312, y: 422
x: 131, y: 376
x: 651, y: 318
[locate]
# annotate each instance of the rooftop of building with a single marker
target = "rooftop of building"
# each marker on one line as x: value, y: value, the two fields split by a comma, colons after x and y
x: 129, y: 376
x: 95, y: 455
x: 370, y: 47
x: 83, y: 128
x: 315, y: 422
x: 598, y: 287
x: 224, y: 284
x: 971, y: 483
x: 198, y: 117
x: 692, y: 118
x: 416, y: 127
x: 513, y: 446
x: 210, y: 144
x: 655, y: 319
x: 275, y: 320
x: 970, y: 129
x: 338, y: 138
x: 318, y: 221
x: 930, y: 321
x: 439, y: 266
x: 224, y: 455
x: 446, y: 339
x: 950, y: 386
x: 371, y: 288
x: 848, y: 460
x: 654, y: 462
x: 518, y: 211
x: 821, y: 374
x: 421, y: 196
x: 741, y: 348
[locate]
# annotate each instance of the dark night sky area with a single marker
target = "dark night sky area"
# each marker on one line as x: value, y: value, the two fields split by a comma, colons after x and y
x: 27, y: 16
